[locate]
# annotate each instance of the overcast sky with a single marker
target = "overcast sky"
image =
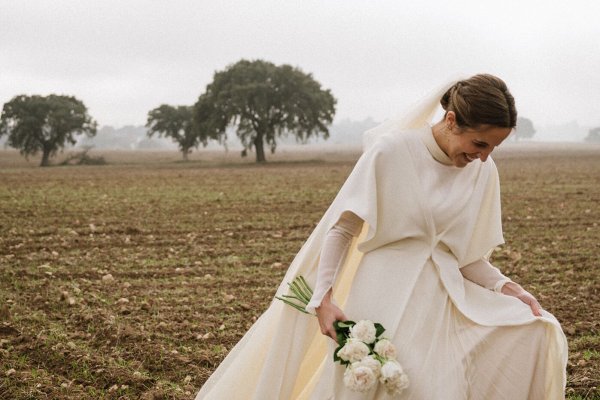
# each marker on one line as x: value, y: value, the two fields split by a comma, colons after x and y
x: 125, y: 57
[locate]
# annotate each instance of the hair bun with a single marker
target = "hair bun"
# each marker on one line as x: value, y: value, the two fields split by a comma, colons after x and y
x: 482, y: 99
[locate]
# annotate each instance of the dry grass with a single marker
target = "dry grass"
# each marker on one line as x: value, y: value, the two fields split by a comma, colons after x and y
x: 196, y: 251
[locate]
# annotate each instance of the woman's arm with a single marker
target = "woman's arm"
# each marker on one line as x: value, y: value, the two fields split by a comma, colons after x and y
x: 485, y: 274
x: 333, y: 254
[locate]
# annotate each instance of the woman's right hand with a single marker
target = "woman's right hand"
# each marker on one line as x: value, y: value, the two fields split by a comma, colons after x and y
x: 328, y: 313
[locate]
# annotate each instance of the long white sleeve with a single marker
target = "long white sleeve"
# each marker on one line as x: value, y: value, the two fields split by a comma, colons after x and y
x: 485, y: 274
x: 333, y: 253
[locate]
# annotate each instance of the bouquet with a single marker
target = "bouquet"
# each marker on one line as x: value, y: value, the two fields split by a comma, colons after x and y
x: 368, y: 356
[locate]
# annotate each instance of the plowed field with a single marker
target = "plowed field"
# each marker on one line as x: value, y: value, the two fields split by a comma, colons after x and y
x: 134, y: 280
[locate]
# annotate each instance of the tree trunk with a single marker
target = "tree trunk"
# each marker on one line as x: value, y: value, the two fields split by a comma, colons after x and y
x: 185, y: 154
x: 45, y: 158
x: 260, y: 150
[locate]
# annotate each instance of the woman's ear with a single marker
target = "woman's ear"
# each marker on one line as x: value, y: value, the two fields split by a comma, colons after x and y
x: 450, y: 120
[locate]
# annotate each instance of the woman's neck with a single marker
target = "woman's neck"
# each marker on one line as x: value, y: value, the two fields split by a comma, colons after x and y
x: 441, y: 136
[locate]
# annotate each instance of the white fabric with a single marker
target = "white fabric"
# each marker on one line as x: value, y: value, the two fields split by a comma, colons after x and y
x: 438, y: 182
x: 335, y: 247
x: 337, y: 243
x: 285, y: 356
x: 338, y: 239
x: 445, y: 354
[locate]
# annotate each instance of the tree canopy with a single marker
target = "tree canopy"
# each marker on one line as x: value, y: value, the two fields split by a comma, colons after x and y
x: 176, y: 123
x: 264, y: 101
x: 44, y: 123
x: 524, y: 130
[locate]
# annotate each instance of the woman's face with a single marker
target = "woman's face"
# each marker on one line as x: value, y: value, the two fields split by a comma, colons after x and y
x: 464, y: 146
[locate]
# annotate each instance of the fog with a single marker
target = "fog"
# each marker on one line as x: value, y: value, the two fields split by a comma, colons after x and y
x: 124, y: 58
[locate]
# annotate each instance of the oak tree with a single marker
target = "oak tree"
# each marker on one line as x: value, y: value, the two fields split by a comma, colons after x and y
x: 264, y: 101
x: 175, y: 123
x: 44, y: 124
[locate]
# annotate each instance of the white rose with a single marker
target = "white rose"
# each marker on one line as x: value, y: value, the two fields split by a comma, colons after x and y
x: 353, y: 351
x: 359, y: 378
x: 392, y: 376
x: 364, y: 331
x: 385, y: 349
x: 397, y: 386
x: 370, y: 362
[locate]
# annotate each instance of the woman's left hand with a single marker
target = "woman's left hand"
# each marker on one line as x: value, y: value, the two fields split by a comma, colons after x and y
x: 516, y: 290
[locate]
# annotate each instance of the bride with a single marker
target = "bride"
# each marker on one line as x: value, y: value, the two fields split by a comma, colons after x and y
x: 406, y: 243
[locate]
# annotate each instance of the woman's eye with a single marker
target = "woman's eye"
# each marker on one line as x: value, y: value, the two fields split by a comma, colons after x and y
x: 479, y: 144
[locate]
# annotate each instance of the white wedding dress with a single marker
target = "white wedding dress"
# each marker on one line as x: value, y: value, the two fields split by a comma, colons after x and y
x: 446, y: 355
x: 424, y: 220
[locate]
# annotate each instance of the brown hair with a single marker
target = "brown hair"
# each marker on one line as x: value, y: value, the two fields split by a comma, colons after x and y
x: 480, y: 100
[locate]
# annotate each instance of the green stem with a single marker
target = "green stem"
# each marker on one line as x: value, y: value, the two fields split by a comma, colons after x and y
x: 298, y: 290
x: 301, y: 292
x: 303, y: 282
x: 292, y: 297
x: 296, y: 306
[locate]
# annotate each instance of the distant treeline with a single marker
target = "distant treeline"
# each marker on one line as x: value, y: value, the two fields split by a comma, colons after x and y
x: 130, y: 137
x: 346, y: 131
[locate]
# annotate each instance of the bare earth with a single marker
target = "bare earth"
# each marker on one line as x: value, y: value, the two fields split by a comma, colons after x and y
x: 134, y: 279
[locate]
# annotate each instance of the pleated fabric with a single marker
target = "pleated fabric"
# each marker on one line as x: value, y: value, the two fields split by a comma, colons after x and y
x: 445, y: 354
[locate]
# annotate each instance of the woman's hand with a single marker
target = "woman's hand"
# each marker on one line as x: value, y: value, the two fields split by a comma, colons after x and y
x: 328, y: 313
x: 515, y: 290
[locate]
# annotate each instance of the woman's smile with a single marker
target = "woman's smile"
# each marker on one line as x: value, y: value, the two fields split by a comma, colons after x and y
x: 471, y: 158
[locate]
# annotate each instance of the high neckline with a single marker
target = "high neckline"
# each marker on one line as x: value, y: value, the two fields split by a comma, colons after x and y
x: 433, y: 147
